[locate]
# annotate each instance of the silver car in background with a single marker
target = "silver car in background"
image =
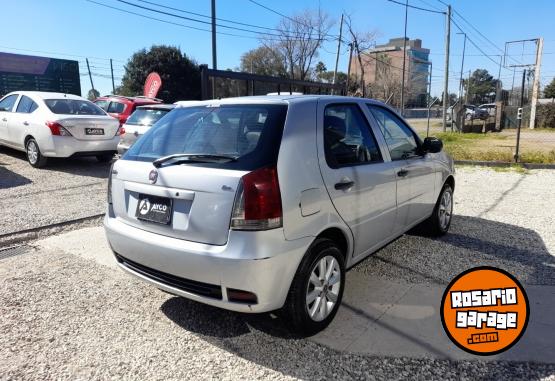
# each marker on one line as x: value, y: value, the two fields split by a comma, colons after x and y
x: 139, y: 122
x: 258, y: 204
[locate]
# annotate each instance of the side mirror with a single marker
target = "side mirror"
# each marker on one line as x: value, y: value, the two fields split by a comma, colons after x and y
x: 432, y: 145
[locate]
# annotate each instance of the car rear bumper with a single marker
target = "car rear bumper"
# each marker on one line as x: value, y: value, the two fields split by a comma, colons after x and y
x: 262, y: 263
x: 66, y: 146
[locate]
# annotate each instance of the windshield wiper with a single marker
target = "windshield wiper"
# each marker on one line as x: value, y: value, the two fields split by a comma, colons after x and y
x: 193, y: 157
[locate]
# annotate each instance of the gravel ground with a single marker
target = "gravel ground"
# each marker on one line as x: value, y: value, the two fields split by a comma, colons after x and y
x: 502, y: 219
x: 65, y: 189
x: 70, y: 318
x: 107, y: 325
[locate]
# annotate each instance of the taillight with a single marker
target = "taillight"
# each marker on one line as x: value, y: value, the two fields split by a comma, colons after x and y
x: 120, y: 131
x: 109, y: 196
x: 258, y: 201
x: 57, y: 129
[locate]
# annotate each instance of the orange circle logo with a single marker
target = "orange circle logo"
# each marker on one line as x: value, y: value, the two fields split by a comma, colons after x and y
x: 485, y: 311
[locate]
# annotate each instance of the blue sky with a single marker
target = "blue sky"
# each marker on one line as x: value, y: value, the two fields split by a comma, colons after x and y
x: 76, y: 29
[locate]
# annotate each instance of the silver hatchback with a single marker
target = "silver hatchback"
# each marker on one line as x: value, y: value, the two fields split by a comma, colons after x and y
x: 258, y: 204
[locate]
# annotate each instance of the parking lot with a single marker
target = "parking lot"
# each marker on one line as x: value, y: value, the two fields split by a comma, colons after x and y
x: 67, y: 312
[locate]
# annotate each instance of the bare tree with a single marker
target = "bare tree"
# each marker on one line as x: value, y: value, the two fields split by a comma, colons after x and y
x: 362, y: 41
x: 300, y: 38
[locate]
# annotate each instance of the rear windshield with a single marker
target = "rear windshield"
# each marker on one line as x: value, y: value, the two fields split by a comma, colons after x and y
x: 251, y: 133
x: 146, y: 117
x: 73, y: 107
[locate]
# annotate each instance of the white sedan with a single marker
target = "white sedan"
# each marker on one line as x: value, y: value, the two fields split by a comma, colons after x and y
x: 56, y: 125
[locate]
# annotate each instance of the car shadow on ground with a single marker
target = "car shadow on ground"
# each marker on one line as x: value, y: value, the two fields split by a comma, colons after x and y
x: 9, y: 179
x: 265, y: 338
x: 81, y: 166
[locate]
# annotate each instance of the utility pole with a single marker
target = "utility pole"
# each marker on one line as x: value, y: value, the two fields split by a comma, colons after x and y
x: 90, y: 75
x: 536, y: 85
x: 498, y: 93
x: 338, y: 49
x: 349, y: 68
x: 214, y: 59
x: 112, y: 71
x: 519, y: 116
x: 404, y: 60
x: 467, y: 88
x: 462, y: 65
x: 446, y: 81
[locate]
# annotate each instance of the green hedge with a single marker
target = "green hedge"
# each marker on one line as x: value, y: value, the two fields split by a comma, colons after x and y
x: 545, y: 115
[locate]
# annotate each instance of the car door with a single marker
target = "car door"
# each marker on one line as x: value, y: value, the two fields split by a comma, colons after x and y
x: 6, y: 107
x: 360, y: 183
x: 22, y: 121
x: 416, y: 175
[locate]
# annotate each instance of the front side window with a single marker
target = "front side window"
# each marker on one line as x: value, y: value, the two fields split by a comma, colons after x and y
x: 249, y: 135
x: 401, y: 141
x: 348, y: 139
x: 73, y: 107
x: 116, y: 107
x: 26, y: 105
x: 7, y: 103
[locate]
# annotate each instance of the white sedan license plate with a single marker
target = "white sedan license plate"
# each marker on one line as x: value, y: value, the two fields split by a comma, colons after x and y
x: 94, y: 131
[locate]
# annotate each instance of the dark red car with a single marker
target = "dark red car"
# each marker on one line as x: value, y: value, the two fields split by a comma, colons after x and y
x: 121, y: 107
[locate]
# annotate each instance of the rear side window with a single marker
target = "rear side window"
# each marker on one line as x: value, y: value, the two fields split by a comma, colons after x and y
x: 249, y: 133
x: 73, y: 107
x: 348, y: 139
x: 102, y: 104
x: 146, y: 117
x: 116, y: 107
x: 7, y: 103
x: 26, y: 105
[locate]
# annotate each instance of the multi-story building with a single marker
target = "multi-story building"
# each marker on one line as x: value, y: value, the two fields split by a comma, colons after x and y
x: 383, y: 70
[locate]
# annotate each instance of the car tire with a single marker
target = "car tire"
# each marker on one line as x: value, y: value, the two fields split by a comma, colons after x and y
x: 34, y: 156
x: 439, y: 222
x: 309, y: 308
x: 104, y: 158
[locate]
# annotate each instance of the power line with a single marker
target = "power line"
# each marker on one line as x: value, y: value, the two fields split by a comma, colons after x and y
x: 206, y: 16
x: 58, y: 53
x: 167, y: 21
x: 415, y: 7
x: 474, y: 44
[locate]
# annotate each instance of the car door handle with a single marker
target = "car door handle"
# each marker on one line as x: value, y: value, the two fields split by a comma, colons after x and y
x: 402, y: 173
x: 4, y: 120
x: 26, y: 123
x: 344, y: 184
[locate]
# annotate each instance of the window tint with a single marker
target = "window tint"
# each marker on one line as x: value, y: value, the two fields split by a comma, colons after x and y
x: 73, y: 107
x: 401, y: 141
x: 26, y: 105
x: 146, y: 116
x: 7, y: 103
x: 116, y: 107
x: 102, y: 104
x: 250, y: 133
x: 347, y: 137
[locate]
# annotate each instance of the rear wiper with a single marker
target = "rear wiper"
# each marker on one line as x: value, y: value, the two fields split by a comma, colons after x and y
x: 193, y: 157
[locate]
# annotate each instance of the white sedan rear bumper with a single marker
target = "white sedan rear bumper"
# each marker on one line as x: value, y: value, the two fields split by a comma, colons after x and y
x: 66, y: 146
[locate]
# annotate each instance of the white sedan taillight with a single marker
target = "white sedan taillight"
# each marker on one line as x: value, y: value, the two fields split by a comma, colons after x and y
x: 258, y: 201
x: 57, y: 129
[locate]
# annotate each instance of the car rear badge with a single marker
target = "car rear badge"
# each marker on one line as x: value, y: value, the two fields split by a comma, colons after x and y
x: 153, y: 176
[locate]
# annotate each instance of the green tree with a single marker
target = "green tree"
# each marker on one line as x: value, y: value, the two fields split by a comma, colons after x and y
x: 549, y: 90
x: 481, y: 87
x: 263, y: 61
x: 180, y: 74
x: 92, y: 94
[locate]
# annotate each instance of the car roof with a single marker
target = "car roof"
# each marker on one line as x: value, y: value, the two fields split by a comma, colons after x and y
x: 136, y: 100
x: 47, y: 95
x: 159, y: 106
x: 280, y: 99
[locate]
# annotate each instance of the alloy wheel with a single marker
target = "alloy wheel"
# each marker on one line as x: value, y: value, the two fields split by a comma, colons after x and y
x: 323, y: 288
